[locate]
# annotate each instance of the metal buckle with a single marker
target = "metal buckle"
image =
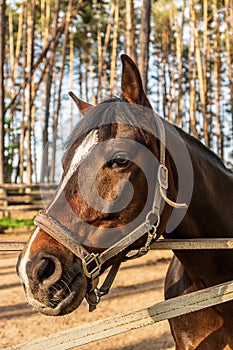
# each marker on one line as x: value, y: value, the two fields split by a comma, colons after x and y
x: 163, y: 176
x: 92, y: 258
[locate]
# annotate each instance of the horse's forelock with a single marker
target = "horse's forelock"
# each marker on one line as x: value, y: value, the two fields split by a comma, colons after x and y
x: 110, y: 112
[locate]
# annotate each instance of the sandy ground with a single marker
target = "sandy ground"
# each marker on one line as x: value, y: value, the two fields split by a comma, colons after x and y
x: 139, y: 284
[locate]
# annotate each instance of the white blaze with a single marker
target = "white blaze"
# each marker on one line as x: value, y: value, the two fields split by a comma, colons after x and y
x: 80, y: 154
x: 24, y: 261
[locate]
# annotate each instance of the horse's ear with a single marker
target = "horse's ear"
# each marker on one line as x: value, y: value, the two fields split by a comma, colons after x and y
x: 83, y: 106
x: 131, y: 83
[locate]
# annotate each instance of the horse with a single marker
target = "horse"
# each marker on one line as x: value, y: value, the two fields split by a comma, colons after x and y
x: 120, y: 191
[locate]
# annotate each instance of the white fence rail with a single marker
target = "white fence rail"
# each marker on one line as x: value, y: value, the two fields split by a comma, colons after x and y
x: 123, y: 323
x: 168, y: 244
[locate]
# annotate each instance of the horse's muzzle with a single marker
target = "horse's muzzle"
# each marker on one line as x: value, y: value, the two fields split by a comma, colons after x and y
x: 51, y: 288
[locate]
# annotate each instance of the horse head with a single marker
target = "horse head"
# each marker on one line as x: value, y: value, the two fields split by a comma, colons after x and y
x: 107, y: 191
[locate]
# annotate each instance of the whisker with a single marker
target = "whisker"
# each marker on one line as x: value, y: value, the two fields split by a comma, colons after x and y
x: 67, y: 286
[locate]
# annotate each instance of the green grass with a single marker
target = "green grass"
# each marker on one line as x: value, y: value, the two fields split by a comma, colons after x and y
x: 15, y: 223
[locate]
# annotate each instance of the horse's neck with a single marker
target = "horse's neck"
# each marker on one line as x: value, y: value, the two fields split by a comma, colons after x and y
x: 210, y: 211
x: 209, y: 215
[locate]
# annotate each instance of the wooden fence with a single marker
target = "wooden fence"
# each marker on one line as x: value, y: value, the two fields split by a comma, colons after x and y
x: 18, y: 200
x: 98, y: 330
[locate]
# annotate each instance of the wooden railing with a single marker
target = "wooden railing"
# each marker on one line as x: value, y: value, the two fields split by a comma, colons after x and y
x: 120, y: 324
x: 16, y: 199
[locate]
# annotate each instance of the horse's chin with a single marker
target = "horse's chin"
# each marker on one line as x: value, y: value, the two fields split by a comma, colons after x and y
x: 65, y: 303
x: 66, y: 306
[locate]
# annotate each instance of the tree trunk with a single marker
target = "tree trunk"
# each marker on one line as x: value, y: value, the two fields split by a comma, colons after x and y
x: 28, y: 109
x: 164, y: 62
x: 201, y: 73
x: 71, y: 76
x: 11, y: 47
x: 114, y: 48
x: 192, y: 85
x: 179, y: 56
x: 18, y: 42
x: 2, y: 105
x: 104, y: 70
x: 22, y: 102
x: 130, y: 47
x: 99, y: 49
x: 48, y: 81
x: 144, y: 42
x: 217, y: 87
x: 229, y: 18
x: 61, y: 73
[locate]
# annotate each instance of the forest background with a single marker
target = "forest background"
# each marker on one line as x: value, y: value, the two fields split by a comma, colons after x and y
x: 184, y: 50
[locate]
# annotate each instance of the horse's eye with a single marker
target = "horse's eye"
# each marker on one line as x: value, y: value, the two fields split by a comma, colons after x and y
x: 119, y: 161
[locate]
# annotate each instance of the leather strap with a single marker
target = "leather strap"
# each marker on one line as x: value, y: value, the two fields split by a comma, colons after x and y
x: 61, y: 234
x: 93, y: 297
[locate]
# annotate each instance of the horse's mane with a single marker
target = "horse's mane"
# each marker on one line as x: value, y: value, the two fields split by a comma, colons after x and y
x: 205, y: 151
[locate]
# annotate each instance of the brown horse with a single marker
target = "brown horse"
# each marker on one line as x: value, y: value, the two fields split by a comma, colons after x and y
x: 124, y: 170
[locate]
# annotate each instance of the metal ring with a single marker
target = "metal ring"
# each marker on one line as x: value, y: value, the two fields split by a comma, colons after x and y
x: 148, y: 221
x: 90, y: 301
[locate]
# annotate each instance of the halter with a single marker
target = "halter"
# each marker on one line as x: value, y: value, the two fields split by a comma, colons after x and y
x: 91, y: 262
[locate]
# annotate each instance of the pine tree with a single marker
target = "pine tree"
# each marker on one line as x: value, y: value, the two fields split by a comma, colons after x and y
x: 2, y: 93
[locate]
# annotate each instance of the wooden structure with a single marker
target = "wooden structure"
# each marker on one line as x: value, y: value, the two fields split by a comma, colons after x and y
x: 18, y: 200
x: 120, y: 324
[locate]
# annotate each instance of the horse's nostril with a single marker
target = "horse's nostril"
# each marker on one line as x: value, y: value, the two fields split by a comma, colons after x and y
x: 48, y: 270
x: 45, y: 269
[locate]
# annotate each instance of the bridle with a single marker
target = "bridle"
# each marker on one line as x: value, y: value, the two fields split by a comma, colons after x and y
x: 92, y: 262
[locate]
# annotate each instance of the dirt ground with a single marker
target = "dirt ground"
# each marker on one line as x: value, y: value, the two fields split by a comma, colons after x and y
x: 139, y: 284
